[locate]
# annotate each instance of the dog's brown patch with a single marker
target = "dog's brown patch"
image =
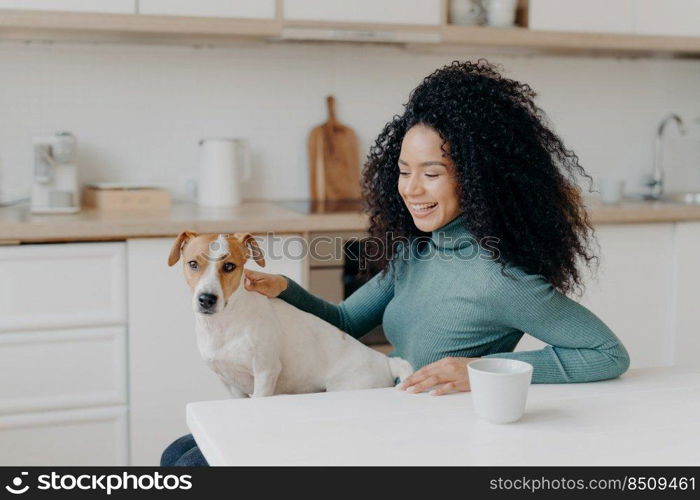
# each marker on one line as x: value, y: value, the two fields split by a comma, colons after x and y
x: 195, y: 248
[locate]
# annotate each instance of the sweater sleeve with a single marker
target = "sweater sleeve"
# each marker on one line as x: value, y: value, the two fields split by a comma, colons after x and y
x: 582, y: 348
x: 356, y: 315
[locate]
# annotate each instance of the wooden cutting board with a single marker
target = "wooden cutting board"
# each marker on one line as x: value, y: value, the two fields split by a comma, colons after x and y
x: 334, y: 162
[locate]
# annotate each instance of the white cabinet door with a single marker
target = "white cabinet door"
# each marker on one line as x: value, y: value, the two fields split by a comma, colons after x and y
x: 687, y: 325
x: 667, y: 17
x: 63, y: 354
x: 633, y: 293
x: 107, y: 6
x: 244, y: 9
x: 85, y: 437
x: 62, y: 285
x: 58, y: 369
x: 600, y: 16
x: 426, y: 12
x: 165, y: 369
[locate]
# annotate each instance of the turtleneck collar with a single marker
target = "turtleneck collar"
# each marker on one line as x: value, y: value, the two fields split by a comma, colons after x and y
x: 452, y: 235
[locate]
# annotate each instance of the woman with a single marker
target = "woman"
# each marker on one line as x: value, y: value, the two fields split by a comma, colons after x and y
x: 475, y: 200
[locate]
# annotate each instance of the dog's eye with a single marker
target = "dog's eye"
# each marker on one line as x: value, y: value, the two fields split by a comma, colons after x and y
x: 228, y: 267
x: 193, y: 265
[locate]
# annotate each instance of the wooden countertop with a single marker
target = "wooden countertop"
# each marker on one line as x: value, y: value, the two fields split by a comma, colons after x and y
x: 18, y: 225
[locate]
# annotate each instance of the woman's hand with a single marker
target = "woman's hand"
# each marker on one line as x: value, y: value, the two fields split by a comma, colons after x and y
x: 270, y: 285
x: 447, y: 375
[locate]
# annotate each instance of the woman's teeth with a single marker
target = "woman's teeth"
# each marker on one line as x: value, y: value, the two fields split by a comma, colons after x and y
x: 423, y: 207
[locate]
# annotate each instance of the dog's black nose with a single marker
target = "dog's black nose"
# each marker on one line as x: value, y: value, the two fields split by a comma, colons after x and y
x: 207, y: 300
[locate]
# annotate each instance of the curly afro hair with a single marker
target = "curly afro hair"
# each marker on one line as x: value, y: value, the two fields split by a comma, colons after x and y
x: 517, y: 180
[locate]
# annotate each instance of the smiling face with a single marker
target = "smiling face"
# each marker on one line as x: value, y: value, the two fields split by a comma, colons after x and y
x: 213, y: 266
x: 427, y: 181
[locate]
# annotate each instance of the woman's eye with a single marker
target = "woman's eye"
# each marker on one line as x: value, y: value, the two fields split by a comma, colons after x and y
x: 228, y: 267
x: 432, y: 176
x: 402, y: 173
x: 193, y: 265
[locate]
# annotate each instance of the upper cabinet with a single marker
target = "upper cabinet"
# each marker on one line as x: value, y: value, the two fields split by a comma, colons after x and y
x: 242, y: 9
x: 106, y: 6
x: 641, y: 17
x: 600, y: 16
x: 667, y: 17
x: 608, y: 27
x: 420, y: 12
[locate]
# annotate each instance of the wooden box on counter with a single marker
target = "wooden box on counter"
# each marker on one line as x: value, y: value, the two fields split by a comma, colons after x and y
x: 116, y: 198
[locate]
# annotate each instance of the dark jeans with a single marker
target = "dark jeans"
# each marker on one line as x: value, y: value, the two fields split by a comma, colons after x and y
x: 183, y: 452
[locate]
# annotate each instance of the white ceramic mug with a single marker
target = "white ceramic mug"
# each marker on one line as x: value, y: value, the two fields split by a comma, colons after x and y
x: 499, y: 388
x: 466, y: 12
x: 500, y: 13
x: 611, y: 190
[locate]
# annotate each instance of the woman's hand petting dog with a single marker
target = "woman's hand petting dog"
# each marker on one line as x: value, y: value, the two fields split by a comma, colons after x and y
x: 447, y: 375
x: 270, y: 285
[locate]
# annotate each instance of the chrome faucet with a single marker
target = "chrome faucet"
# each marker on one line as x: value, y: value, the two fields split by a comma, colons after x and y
x: 656, y: 180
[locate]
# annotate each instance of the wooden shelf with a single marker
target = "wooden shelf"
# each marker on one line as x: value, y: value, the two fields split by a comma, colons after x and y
x: 36, y: 25
x: 570, y: 42
x: 19, y: 24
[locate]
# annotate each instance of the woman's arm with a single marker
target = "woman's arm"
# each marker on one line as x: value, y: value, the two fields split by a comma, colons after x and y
x: 582, y: 348
x: 356, y: 315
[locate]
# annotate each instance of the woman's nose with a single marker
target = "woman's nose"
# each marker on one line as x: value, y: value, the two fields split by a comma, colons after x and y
x: 413, y: 186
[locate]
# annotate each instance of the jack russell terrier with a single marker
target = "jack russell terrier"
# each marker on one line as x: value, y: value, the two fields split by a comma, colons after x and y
x: 262, y: 346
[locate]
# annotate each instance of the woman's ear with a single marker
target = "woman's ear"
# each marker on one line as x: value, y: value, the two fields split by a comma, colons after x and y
x: 180, y: 241
x: 254, y: 252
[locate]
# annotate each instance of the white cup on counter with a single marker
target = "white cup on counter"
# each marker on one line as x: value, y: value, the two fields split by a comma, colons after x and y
x: 611, y: 190
x: 499, y: 388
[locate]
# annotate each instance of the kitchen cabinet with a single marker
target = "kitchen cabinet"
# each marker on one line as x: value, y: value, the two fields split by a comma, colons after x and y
x: 62, y: 285
x: 642, y: 17
x: 667, y: 17
x: 244, y: 9
x: 48, y: 369
x: 599, y: 16
x: 633, y: 291
x: 105, y: 6
x: 420, y: 12
x: 87, y: 436
x: 686, y: 320
x: 165, y: 369
x: 580, y: 25
x: 63, y: 347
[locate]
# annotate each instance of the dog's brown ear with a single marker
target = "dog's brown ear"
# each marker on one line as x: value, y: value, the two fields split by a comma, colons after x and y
x: 254, y: 252
x: 175, y: 251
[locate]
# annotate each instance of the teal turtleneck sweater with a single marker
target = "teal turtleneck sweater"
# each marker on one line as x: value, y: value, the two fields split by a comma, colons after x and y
x: 451, y: 299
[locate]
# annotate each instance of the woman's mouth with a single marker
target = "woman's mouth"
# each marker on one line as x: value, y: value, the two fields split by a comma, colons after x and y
x: 422, y: 209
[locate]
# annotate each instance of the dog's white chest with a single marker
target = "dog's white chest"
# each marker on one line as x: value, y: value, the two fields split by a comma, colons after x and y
x: 229, y: 355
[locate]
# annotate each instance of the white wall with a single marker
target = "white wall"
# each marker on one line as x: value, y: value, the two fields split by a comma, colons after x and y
x: 138, y: 111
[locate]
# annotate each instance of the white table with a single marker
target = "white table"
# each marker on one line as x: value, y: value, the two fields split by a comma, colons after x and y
x: 647, y: 417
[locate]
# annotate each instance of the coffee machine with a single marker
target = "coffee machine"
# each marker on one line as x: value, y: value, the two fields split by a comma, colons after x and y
x: 55, y: 186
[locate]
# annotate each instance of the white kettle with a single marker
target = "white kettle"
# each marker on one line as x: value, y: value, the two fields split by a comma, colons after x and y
x: 224, y: 164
